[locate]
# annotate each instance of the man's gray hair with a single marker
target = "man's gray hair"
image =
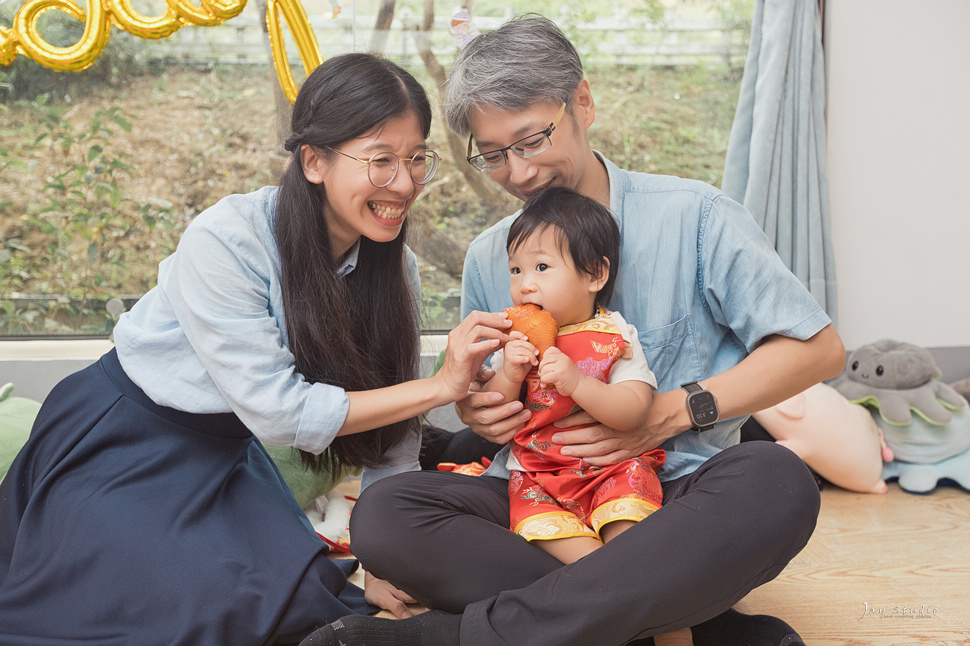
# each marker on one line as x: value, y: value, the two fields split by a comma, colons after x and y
x: 526, y: 60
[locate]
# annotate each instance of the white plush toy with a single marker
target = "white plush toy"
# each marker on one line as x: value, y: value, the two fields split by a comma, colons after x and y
x: 836, y: 438
x: 330, y: 517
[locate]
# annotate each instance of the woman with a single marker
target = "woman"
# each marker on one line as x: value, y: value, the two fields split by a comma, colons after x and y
x: 144, y: 508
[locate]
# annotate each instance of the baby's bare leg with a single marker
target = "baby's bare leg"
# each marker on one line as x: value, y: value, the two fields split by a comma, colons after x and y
x: 676, y: 638
x: 610, y: 530
x: 570, y: 550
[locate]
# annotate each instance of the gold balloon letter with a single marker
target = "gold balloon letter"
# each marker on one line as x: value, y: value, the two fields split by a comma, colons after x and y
x: 78, y: 56
x: 24, y: 38
x: 306, y: 42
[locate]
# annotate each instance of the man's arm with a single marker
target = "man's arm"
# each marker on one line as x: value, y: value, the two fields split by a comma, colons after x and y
x: 779, y: 368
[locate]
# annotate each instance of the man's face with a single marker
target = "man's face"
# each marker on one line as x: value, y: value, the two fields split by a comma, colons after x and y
x: 565, y: 163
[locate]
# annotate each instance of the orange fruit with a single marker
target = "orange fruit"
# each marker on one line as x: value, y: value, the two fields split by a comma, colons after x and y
x: 536, y: 323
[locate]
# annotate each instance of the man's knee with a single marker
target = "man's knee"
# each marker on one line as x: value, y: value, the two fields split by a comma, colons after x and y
x: 788, y: 492
x: 410, y: 506
x: 375, y: 517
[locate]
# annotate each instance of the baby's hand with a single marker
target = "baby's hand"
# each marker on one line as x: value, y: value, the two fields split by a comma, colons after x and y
x: 558, y: 371
x: 520, y: 356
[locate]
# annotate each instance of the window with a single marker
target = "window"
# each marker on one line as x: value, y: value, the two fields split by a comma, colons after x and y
x: 101, y: 170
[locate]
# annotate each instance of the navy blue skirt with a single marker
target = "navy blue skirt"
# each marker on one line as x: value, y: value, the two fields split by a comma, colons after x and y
x: 124, y: 522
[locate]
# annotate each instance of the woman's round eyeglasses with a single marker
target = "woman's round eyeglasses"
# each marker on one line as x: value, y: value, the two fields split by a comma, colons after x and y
x: 382, y: 168
x: 524, y: 148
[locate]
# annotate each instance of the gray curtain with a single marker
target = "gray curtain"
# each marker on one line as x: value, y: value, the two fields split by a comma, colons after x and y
x: 775, y: 162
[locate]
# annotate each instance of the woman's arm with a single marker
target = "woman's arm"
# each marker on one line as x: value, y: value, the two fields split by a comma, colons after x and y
x: 476, y: 337
x: 219, y: 292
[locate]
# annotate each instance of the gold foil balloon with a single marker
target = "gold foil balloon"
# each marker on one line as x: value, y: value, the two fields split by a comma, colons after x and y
x: 209, y: 14
x: 222, y: 10
x: 306, y: 42
x: 74, y: 57
x: 7, y: 52
x: 134, y: 22
x: 23, y: 37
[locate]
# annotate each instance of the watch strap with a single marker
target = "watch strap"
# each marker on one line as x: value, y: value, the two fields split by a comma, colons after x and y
x: 692, y: 387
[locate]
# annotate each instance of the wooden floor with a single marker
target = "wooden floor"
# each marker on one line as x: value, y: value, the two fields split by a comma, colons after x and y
x: 880, y: 570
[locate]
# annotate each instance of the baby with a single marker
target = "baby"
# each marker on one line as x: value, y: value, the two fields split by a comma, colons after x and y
x: 563, y: 257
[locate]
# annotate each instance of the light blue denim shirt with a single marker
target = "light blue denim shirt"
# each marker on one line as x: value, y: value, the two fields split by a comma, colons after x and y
x: 698, y: 279
x: 211, y: 336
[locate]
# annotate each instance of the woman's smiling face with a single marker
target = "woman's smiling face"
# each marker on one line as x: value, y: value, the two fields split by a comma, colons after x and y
x: 353, y: 206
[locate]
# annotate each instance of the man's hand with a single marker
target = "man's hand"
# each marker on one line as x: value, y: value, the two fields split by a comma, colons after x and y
x: 487, y: 416
x: 382, y: 594
x: 601, y: 445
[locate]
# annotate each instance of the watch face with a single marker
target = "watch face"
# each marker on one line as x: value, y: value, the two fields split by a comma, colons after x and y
x: 703, y: 407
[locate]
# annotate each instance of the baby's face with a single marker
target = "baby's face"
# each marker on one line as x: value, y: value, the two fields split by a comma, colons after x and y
x: 544, y: 275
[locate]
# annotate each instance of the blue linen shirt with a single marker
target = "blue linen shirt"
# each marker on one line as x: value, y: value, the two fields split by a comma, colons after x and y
x: 211, y: 336
x: 698, y: 279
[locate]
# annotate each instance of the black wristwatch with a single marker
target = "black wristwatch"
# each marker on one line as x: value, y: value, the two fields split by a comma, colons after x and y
x: 701, y: 406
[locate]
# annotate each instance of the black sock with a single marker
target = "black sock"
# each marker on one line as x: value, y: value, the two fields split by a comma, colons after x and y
x: 732, y: 628
x: 427, y: 629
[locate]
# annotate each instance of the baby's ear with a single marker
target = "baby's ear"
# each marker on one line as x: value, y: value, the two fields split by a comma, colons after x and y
x: 597, y: 282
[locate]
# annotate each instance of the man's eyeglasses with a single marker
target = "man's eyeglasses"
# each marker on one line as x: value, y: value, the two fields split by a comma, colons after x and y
x: 524, y: 148
x: 382, y: 168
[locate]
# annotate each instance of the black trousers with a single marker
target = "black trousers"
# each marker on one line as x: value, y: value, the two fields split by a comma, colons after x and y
x: 730, y: 526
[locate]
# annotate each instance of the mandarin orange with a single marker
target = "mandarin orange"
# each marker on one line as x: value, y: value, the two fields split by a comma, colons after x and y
x: 535, y: 323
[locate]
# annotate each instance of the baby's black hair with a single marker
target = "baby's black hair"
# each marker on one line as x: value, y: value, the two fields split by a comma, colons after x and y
x: 583, y: 226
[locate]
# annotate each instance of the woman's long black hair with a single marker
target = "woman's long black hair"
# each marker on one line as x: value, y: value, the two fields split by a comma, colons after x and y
x: 359, y: 332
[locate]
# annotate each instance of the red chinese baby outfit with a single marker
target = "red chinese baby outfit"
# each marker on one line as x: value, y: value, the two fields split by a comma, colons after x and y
x: 556, y: 496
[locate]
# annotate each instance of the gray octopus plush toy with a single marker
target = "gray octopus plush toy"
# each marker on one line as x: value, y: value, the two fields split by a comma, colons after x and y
x: 898, y: 378
x: 962, y: 387
x: 895, y: 380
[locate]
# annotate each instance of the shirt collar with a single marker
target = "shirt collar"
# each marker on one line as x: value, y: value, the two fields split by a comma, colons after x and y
x: 616, y: 191
x: 350, y: 260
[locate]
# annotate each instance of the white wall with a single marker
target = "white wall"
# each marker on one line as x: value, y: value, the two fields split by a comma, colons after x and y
x: 898, y: 83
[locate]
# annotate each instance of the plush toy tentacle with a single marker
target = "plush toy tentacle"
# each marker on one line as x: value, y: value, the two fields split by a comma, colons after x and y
x: 948, y: 396
x: 927, y: 406
x: 895, y: 410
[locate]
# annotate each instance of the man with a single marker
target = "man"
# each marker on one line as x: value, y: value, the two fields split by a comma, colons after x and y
x: 727, y: 330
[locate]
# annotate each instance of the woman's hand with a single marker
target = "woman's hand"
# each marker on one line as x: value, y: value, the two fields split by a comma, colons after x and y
x: 480, y: 334
x: 487, y: 415
x: 382, y: 594
x: 601, y: 445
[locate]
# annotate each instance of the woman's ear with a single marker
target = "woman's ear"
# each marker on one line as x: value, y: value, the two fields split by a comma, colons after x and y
x: 313, y: 163
x: 597, y: 282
